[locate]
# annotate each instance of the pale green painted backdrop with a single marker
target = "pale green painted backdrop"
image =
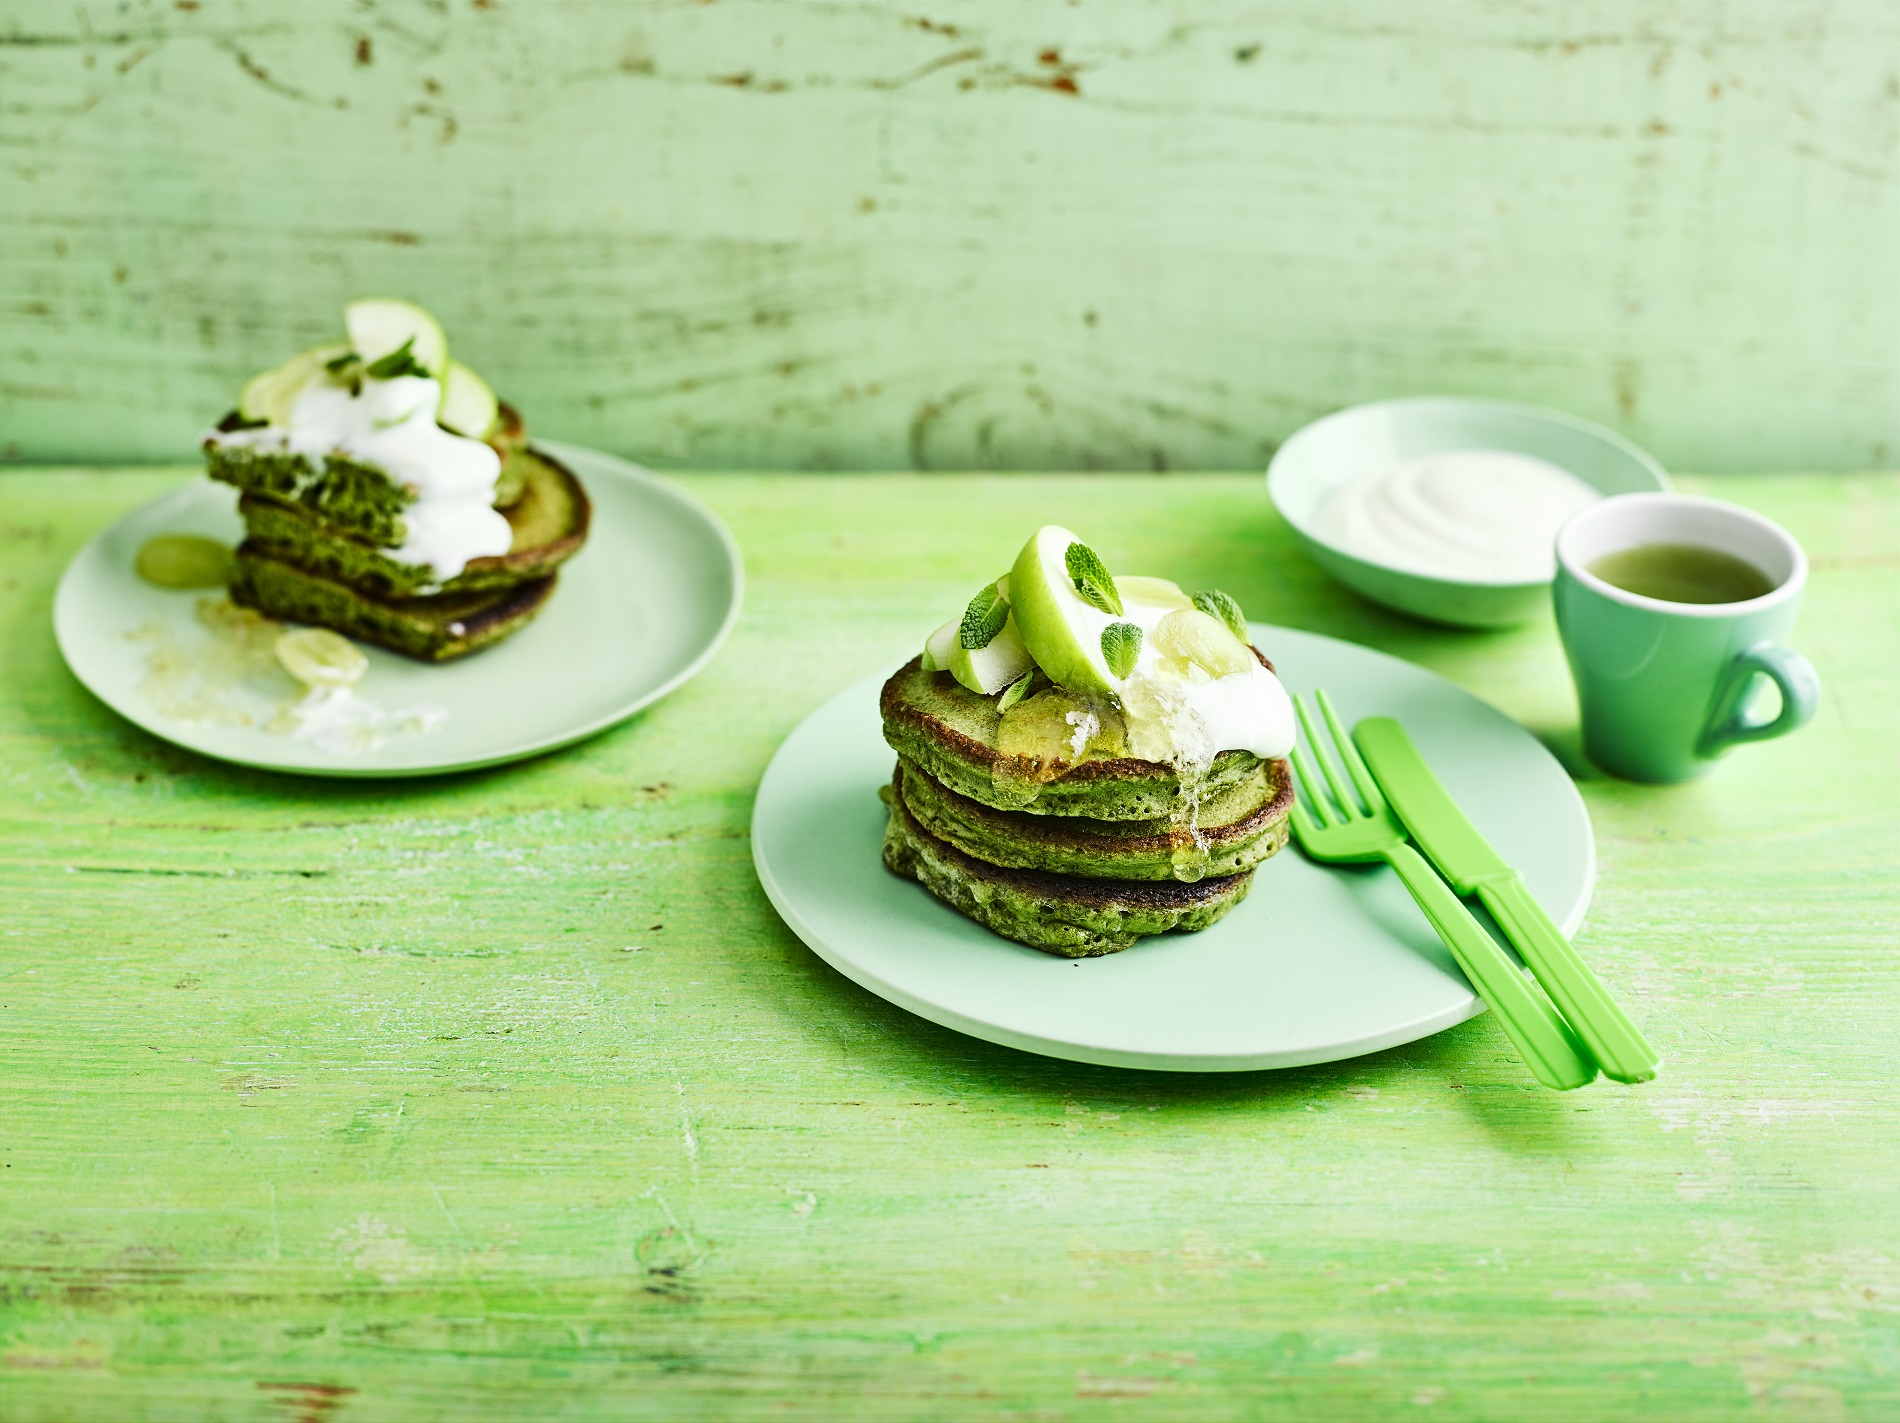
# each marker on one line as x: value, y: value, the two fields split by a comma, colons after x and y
x: 1017, y: 233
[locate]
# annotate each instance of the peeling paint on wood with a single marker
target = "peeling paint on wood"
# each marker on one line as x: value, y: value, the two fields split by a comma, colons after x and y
x: 507, y: 1096
x: 992, y: 233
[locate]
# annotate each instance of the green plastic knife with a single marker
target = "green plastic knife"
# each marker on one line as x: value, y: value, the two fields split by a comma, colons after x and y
x: 1469, y: 864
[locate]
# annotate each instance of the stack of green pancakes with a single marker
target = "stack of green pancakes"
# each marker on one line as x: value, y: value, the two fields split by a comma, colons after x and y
x: 318, y: 542
x: 1078, y: 853
x: 325, y: 525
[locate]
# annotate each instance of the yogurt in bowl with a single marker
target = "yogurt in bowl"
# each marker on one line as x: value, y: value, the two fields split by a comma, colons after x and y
x: 1447, y: 508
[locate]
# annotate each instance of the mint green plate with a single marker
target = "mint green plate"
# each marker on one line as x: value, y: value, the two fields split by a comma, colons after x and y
x: 1316, y: 964
x: 637, y: 612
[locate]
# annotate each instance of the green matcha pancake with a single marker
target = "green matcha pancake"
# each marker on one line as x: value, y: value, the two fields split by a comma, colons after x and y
x: 1032, y: 764
x: 549, y: 517
x: 355, y: 498
x: 380, y: 444
x: 1232, y: 831
x: 1085, y: 757
x: 1059, y: 914
x: 434, y: 629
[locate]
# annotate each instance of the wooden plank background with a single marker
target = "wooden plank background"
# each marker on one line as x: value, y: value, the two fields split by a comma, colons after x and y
x: 966, y: 233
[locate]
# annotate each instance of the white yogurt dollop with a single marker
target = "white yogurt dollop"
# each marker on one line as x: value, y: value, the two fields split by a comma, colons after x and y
x: 391, y: 424
x: 1197, y: 720
x: 1488, y: 516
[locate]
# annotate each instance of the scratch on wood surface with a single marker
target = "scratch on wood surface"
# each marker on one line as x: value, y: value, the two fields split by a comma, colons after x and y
x: 307, y: 1402
x: 688, y: 1136
x: 278, y: 86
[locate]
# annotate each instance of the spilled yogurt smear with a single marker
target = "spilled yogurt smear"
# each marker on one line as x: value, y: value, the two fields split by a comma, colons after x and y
x: 341, y: 722
x: 230, y: 677
x: 1486, y: 516
x: 391, y: 424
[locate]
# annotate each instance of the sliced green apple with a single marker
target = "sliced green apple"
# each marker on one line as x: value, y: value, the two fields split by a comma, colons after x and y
x: 469, y: 406
x: 1061, y: 628
x: 991, y: 668
x: 382, y: 326
x: 1155, y: 592
x: 938, y: 647
x: 269, y: 395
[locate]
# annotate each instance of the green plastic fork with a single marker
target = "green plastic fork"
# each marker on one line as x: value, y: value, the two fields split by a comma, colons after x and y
x: 1349, y: 829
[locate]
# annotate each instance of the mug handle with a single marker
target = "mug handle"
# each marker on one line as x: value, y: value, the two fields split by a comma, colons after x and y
x: 1800, y: 688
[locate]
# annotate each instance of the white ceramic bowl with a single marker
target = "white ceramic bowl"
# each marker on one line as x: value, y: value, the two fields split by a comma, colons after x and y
x: 1322, y: 456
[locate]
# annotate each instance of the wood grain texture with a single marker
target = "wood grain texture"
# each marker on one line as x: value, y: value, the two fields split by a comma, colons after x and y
x: 980, y: 233
x: 508, y: 1095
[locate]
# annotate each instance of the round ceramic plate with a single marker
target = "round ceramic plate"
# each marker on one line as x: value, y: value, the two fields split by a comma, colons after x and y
x: 1316, y: 964
x: 641, y: 608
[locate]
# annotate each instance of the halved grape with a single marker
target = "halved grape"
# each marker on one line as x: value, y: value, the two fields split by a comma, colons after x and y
x: 1191, y: 636
x: 184, y: 561
x: 318, y: 657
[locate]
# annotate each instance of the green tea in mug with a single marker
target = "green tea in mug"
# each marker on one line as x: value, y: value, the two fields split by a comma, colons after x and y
x: 1683, y: 573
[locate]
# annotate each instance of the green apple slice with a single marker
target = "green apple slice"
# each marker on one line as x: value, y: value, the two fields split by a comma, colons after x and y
x: 1061, y: 628
x: 382, y: 326
x: 269, y: 395
x: 1155, y: 592
x: 938, y: 647
x: 469, y: 406
x: 991, y: 668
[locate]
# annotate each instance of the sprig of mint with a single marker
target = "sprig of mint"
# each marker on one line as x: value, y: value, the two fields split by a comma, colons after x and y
x: 337, y: 364
x: 983, y: 619
x: 1217, y: 604
x: 1091, y: 578
x: 399, y: 362
x: 1015, y: 691
x: 1121, y: 645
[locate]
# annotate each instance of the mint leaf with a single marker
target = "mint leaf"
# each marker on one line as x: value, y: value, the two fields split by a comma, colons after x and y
x: 983, y: 619
x: 1217, y: 604
x: 336, y: 364
x: 1015, y: 691
x: 1091, y: 578
x: 1121, y: 645
x: 399, y: 362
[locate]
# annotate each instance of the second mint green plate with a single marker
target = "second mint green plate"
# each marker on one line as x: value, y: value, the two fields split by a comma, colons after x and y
x: 637, y: 612
x: 1316, y: 964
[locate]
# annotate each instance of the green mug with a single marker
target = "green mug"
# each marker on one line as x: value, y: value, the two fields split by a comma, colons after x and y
x: 1665, y: 688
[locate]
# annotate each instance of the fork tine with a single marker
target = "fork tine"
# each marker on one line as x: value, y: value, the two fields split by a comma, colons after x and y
x: 1355, y: 763
x: 1346, y: 801
x: 1312, y: 791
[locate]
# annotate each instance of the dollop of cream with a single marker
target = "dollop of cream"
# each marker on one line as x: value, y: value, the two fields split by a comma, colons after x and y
x: 391, y: 424
x: 1483, y: 516
x: 1187, y: 722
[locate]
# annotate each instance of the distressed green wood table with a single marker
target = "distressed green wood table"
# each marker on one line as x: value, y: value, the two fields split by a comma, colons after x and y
x: 508, y: 1095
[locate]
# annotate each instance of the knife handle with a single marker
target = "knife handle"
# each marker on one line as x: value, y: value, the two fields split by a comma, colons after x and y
x: 1545, y: 1041
x: 1619, y: 1044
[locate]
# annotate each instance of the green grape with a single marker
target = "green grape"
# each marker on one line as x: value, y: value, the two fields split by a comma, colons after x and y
x: 318, y: 657
x: 184, y: 561
x: 1189, y: 635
